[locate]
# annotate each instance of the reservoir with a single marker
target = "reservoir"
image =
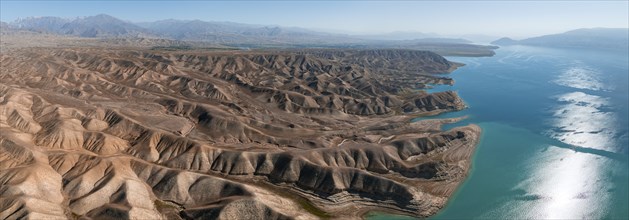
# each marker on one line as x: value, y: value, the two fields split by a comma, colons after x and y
x: 555, y: 135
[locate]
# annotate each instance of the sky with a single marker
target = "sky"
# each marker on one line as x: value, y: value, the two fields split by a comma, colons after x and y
x: 517, y: 19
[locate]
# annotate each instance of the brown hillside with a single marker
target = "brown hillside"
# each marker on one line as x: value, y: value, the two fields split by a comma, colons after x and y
x: 148, y: 134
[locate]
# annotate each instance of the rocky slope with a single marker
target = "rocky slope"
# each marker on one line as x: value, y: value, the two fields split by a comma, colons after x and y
x: 144, y: 134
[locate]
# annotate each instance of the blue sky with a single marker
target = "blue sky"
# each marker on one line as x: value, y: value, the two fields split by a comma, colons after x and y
x: 498, y: 18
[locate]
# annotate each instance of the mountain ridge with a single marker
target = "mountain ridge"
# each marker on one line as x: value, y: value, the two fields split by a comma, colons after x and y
x: 605, y: 38
x: 197, y: 34
x: 103, y: 25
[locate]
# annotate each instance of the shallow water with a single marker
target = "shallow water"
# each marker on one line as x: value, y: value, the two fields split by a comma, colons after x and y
x: 555, y: 134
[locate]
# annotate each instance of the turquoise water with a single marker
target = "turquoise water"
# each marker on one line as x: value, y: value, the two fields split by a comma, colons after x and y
x: 555, y: 135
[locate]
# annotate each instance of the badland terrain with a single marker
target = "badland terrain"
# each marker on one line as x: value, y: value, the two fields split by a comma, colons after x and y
x: 162, y: 128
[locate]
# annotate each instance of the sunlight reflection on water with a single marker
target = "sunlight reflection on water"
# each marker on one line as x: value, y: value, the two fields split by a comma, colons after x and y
x: 581, y: 77
x: 582, y: 122
x: 569, y: 183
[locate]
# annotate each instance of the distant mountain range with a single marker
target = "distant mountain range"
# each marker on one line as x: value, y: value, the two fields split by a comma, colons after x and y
x: 92, y: 26
x: 607, y: 38
x: 182, y: 34
x: 105, y: 26
x: 248, y: 35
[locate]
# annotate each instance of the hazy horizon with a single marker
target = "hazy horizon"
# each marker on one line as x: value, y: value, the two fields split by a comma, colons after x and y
x: 450, y: 18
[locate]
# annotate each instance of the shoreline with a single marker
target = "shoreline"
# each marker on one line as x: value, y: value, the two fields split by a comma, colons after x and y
x: 472, y: 151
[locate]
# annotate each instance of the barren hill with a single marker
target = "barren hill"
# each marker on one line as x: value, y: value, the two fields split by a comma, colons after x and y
x: 148, y: 134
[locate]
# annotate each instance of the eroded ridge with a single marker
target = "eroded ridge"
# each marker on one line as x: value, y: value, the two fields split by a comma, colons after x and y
x: 303, y: 134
